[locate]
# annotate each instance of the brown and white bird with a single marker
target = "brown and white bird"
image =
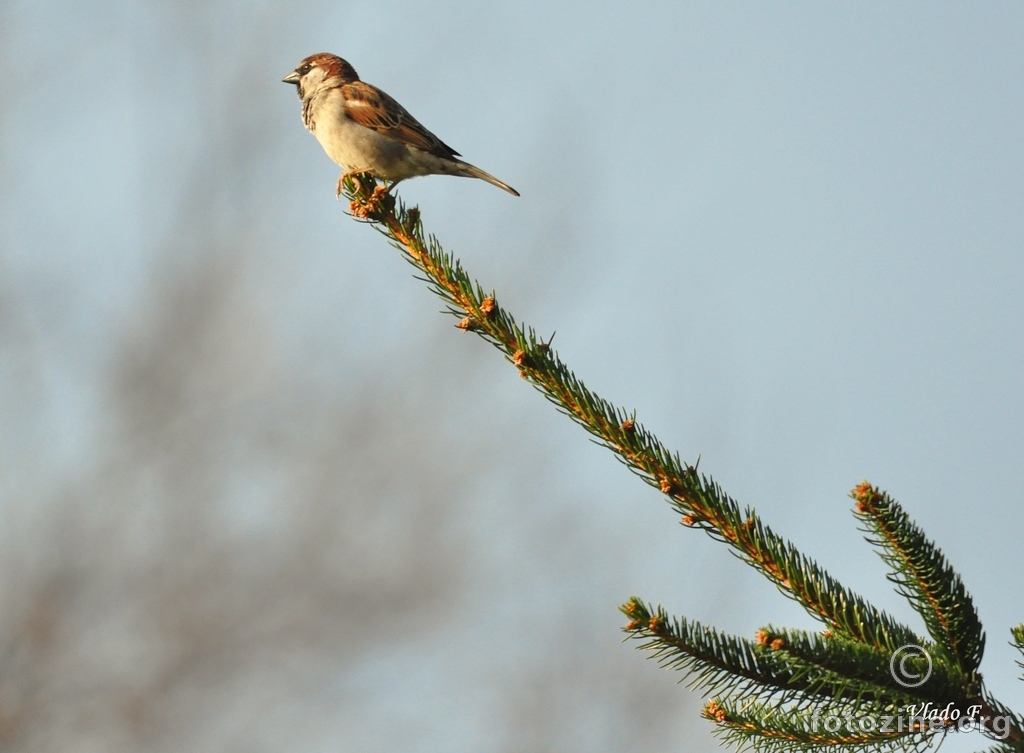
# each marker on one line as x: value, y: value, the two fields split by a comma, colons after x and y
x: 366, y: 131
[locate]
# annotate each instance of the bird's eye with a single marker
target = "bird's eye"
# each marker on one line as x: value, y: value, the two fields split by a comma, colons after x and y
x: 305, y: 69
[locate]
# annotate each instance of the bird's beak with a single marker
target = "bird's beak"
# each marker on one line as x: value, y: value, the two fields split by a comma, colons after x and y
x: 291, y: 78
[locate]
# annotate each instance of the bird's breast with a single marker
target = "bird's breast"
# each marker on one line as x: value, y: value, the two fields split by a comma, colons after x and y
x: 349, y: 144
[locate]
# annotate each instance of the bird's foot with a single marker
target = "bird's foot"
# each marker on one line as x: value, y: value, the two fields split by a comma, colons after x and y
x: 352, y: 174
x: 374, y: 207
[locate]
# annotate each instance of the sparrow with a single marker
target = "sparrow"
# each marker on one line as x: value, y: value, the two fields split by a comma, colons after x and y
x: 365, y: 131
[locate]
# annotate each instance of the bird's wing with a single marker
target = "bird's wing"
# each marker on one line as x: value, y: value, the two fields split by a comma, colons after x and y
x: 370, y: 107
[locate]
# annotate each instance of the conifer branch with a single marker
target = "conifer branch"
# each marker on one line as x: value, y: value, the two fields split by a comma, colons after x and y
x: 700, y: 501
x: 784, y: 678
x: 855, y: 672
x: 772, y: 668
x: 710, y: 659
x: 922, y: 574
x: 773, y: 728
x: 1018, y: 642
x: 1012, y: 733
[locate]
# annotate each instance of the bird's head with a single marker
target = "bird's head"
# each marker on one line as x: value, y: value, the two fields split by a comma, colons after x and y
x: 318, y: 72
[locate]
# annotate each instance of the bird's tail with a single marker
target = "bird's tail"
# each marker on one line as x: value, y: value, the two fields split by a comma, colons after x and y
x: 471, y: 171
